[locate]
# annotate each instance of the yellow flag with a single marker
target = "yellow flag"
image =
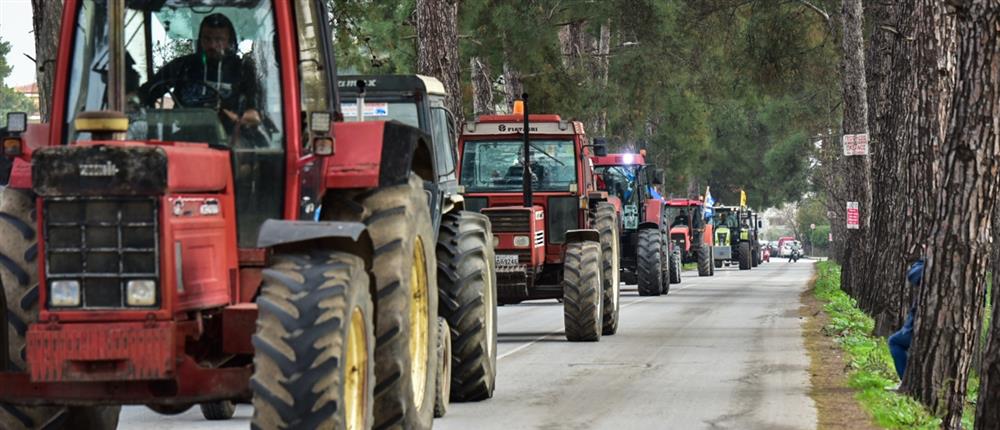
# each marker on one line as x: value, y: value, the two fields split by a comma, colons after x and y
x: 743, y: 198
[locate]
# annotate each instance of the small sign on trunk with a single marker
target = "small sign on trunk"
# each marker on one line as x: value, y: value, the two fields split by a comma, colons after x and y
x: 855, y: 144
x: 853, y: 216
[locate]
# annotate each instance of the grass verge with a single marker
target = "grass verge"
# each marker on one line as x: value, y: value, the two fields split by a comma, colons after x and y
x: 690, y: 266
x: 870, y: 368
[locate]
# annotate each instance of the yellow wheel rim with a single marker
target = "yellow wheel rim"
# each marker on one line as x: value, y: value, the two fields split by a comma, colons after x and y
x: 356, y: 374
x: 419, y: 323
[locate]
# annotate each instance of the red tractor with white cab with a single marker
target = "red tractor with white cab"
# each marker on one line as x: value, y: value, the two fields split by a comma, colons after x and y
x: 648, y: 258
x: 196, y: 226
x: 691, y: 234
x: 556, y: 235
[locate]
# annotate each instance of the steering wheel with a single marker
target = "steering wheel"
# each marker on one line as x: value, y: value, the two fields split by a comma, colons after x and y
x: 174, y: 83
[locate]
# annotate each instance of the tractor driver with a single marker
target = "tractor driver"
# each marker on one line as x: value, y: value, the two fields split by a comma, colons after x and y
x: 213, y: 76
x: 680, y: 219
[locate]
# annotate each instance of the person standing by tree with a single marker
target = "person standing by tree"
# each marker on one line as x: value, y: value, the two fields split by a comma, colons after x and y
x: 899, y: 342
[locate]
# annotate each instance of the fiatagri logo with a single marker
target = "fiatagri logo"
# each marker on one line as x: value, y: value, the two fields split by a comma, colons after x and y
x: 503, y: 128
x: 106, y: 169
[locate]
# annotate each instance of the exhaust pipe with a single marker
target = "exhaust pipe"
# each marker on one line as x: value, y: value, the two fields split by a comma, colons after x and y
x: 526, y: 180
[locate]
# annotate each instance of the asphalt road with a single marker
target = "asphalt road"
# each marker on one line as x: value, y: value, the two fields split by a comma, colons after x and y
x: 724, y: 352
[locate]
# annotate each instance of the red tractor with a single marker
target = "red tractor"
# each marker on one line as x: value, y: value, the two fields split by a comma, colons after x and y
x: 691, y: 234
x: 648, y: 258
x: 194, y: 226
x: 556, y: 234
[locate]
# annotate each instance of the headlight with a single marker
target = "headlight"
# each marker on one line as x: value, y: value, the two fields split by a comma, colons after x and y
x: 140, y: 293
x: 64, y: 293
x: 522, y: 241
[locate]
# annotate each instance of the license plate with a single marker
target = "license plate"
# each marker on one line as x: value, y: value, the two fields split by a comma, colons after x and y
x: 506, y: 260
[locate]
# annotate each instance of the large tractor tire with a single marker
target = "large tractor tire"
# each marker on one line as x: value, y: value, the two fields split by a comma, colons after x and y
x: 607, y: 225
x: 704, y: 254
x: 755, y: 260
x: 468, y: 300
x: 744, y: 255
x: 582, y: 295
x: 406, y: 303
x: 650, y: 259
x: 442, y: 395
x: 675, y: 266
x: 19, y: 302
x: 314, y: 343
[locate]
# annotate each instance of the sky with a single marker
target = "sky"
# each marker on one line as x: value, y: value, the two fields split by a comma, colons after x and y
x: 15, y: 27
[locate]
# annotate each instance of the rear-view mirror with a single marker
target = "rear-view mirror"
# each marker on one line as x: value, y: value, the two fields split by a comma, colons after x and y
x: 600, y: 147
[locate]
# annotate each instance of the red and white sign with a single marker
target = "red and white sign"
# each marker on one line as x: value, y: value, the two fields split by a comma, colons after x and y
x: 853, y: 215
x: 856, y: 144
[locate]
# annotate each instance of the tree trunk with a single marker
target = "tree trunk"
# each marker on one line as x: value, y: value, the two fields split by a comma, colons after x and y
x: 950, y: 311
x: 913, y: 81
x: 512, y: 86
x: 437, y: 48
x: 879, y: 291
x: 858, y: 168
x: 482, y: 87
x: 831, y: 176
x: 46, y: 21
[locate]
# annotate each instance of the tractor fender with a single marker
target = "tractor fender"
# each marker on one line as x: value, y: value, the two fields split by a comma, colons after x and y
x: 346, y: 235
x: 617, y: 202
x: 374, y: 154
x: 16, y: 172
x: 654, y: 211
x: 583, y: 235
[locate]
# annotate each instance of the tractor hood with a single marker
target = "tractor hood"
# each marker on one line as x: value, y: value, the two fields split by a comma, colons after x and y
x: 128, y: 168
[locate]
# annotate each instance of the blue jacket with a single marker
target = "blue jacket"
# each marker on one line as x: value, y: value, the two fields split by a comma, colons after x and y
x: 915, y: 276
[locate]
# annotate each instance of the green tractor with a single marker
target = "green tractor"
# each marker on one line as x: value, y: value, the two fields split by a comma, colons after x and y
x: 732, y: 241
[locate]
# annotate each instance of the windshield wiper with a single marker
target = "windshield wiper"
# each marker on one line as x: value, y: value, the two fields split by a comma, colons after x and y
x: 539, y: 149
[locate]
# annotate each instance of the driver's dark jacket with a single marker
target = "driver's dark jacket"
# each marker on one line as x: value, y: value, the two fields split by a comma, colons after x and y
x: 234, y: 78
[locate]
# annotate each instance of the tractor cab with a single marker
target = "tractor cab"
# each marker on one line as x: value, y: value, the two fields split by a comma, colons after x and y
x: 209, y: 73
x: 690, y: 232
x: 417, y: 101
x: 630, y: 183
x: 628, y: 177
x: 732, y: 228
x: 533, y: 177
x: 492, y: 173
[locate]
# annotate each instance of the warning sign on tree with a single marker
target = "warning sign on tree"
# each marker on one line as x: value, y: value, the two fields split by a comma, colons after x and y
x: 853, y: 216
x: 856, y: 144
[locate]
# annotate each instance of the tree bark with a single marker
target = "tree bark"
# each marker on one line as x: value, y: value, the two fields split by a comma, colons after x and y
x: 884, y: 75
x: 913, y: 78
x: 482, y: 87
x: 46, y: 22
x: 949, y: 316
x: 512, y: 85
x: 858, y: 168
x: 437, y: 48
x: 988, y: 407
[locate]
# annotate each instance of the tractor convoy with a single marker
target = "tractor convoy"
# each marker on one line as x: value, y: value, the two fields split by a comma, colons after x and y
x: 236, y: 223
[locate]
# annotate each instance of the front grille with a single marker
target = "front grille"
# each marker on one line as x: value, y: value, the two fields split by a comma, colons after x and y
x: 102, y: 243
x: 510, y: 222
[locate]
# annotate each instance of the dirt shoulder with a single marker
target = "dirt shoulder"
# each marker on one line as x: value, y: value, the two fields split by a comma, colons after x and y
x: 835, y: 403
